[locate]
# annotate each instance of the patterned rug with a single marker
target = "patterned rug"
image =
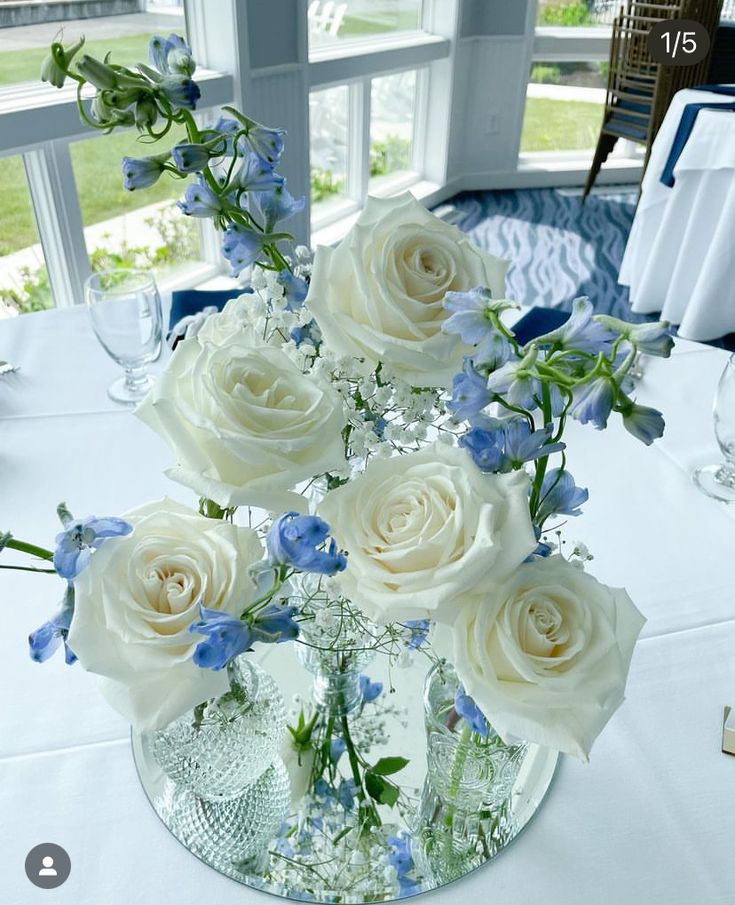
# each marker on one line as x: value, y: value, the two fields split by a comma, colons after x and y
x: 559, y: 248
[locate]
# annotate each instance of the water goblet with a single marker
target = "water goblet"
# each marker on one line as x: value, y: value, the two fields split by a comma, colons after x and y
x: 718, y: 481
x: 125, y: 310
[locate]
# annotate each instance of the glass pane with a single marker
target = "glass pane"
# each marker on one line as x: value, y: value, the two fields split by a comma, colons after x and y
x: 331, y: 21
x: 125, y: 32
x: 564, y: 105
x: 393, y: 103
x: 579, y: 13
x: 328, y: 123
x: 24, y: 283
x: 143, y: 228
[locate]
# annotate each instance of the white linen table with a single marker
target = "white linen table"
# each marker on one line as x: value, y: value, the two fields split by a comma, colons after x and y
x: 680, y: 256
x: 651, y: 818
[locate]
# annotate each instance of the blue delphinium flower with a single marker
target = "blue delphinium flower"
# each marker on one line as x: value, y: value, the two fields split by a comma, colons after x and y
x: 294, y: 287
x: 469, y: 393
x: 580, y: 331
x: 141, y: 172
x: 419, y: 629
x: 241, y: 247
x: 346, y: 794
x: 74, y: 545
x: 594, y: 401
x: 513, y: 381
x: 200, y: 200
x: 190, y: 158
x: 276, y: 205
x: 470, y: 320
x: 46, y: 639
x: 170, y: 54
x: 470, y: 712
x: 652, y: 339
x: 181, y: 91
x: 369, y: 690
x: 645, y: 423
x: 486, y: 448
x: 560, y: 495
x: 295, y: 540
x: 523, y: 445
x: 337, y: 748
x: 309, y: 333
x: 226, y: 637
x: 266, y: 143
x: 401, y: 859
x: 257, y: 176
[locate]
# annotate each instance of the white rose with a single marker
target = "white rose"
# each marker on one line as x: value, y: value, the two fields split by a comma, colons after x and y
x: 138, y: 596
x: 425, y: 529
x: 546, y: 654
x: 236, y: 315
x: 245, y: 423
x: 378, y: 294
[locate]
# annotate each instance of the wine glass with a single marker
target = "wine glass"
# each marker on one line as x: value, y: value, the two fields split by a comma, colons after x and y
x: 125, y: 310
x: 718, y: 481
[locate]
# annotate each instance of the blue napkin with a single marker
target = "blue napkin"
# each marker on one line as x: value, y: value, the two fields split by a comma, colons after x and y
x: 716, y: 89
x: 686, y: 124
x: 537, y: 322
x: 186, y: 302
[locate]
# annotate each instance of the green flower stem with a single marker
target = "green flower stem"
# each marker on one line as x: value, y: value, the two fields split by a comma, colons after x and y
x: 30, y: 569
x: 31, y: 549
x: 543, y: 461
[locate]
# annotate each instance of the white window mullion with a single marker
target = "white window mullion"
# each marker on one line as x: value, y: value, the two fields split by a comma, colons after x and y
x: 59, y: 220
x: 358, y: 140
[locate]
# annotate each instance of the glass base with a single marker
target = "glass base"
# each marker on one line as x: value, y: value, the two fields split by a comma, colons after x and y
x: 127, y: 393
x: 318, y: 853
x: 717, y: 482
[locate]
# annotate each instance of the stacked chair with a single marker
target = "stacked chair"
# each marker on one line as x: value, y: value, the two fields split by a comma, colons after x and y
x: 639, y: 90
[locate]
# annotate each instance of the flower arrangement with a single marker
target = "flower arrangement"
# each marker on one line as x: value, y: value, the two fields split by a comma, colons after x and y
x: 405, y: 452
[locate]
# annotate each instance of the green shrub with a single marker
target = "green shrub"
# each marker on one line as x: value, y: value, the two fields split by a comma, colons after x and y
x: 324, y: 185
x: 389, y: 155
x: 569, y: 14
x: 543, y: 74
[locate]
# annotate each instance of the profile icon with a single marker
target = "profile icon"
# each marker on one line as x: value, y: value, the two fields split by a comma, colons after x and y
x: 48, y: 865
x: 48, y: 869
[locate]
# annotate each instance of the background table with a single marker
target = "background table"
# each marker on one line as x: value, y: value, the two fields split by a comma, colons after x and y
x: 680, y: 257
x: 650, y: 819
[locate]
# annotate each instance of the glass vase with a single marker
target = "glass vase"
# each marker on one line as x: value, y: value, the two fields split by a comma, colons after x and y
x: 226, y: 744
x: 464, y: 816
x: 335, y: 648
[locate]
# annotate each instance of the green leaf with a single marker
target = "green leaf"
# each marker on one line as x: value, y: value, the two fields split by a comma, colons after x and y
x: 381, y: 790
x: 388, y: 765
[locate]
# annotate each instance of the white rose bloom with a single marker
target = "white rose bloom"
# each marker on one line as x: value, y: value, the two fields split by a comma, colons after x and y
x: 138, y: 596
x: 299, y: 766
x: 245, y: 423
x: 424, y: 530
x: 237, y: 315
x: 546, y: 654
x: 378, y: 294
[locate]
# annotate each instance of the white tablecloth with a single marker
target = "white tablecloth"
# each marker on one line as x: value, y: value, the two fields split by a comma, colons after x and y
x: 680, y: 256
x: 650, y: 819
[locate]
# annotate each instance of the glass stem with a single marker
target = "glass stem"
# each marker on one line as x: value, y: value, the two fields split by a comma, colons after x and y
x: 135, y: 377
x: 726, y: 472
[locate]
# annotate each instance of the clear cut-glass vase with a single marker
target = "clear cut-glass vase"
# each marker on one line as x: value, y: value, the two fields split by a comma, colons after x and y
x: 464, y: 816
x: 224, y: 745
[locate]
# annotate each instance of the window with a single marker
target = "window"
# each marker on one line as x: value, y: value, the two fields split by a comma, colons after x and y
x: 130, y: 229
x: 23, y: 275
x: 564, y: 105
x: 577, y: 13
x: 392, y: 122
x: 328, y: 116
x: 351, y: 20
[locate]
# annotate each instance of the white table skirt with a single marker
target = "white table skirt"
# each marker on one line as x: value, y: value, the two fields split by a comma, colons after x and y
x: 651, y: 818
x: 679, y: 258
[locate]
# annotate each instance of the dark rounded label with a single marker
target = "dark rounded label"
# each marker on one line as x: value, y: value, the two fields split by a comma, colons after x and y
x: 678, y: 42
x: 48, y: 865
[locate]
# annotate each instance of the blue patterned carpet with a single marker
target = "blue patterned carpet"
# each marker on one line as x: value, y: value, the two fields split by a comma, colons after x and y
x: 559, y: 248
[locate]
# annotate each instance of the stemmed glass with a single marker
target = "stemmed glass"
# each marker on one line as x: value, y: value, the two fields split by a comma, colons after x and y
x: 718, y: 481
x: 125, y: 310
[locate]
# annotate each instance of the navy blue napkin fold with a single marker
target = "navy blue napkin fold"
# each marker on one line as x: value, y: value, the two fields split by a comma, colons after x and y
x: 185, y: 302
x: 537, y: 322
x: 716, y: 89
x: 686, y: 124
